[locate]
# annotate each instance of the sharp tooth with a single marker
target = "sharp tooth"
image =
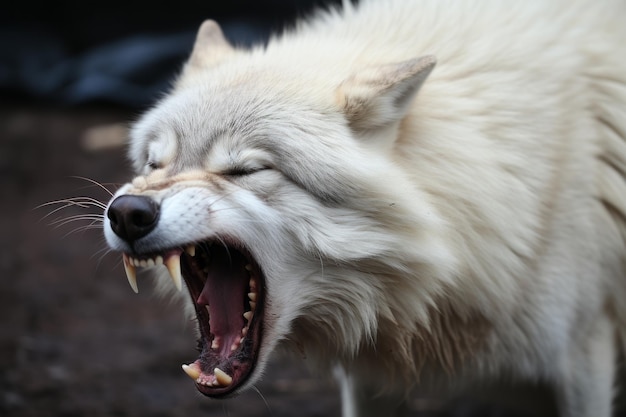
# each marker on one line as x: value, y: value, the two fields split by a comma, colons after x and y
x: 143, y: 263
x: 158, y: 260
x: 135, y: 261
x: 191, y: 250
x: 222, y: 377
x: 247, y: 315
x: 234, y: 347
x: 151, y: 262
x: 130, y: 273
x: 192, y: 370
x: 252, y: 285
x: 216, y: 343
x: 252, y: 305
x: 173, y: 265
x: 244, y: 332
x: 252, y: 296
x: 208, y: 311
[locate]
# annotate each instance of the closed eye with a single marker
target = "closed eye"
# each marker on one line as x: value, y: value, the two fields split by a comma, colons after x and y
x: 242, y: 171
x: 153, y: 165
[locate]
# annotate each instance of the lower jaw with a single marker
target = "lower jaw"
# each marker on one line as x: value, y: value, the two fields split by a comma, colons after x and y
x: 225, y: 364
x: 220, y: 377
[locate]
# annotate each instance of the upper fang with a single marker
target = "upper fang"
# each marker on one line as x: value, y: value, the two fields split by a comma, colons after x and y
x: 131, y: 274
x: 173, y: 266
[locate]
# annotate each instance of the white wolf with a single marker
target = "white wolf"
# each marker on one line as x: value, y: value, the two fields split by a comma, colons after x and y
x: 398, y: 189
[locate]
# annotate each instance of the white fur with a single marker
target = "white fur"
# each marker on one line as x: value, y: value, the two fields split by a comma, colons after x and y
x: 479, y: 228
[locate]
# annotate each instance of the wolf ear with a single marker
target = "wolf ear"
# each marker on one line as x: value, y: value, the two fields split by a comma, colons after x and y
x: 210, y: 47
x: 375, y: 97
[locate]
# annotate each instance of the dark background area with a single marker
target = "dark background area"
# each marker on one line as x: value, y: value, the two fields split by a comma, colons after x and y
x: 74, y: 339
x: 73, y: 52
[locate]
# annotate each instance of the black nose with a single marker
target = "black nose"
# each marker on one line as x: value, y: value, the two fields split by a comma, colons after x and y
x: 132, y: 216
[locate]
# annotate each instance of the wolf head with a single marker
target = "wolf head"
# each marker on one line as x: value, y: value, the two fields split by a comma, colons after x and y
x: 270, y: 188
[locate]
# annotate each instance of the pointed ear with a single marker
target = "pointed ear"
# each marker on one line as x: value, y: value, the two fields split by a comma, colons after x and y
x: 210, y: 47
x: 376, y: 97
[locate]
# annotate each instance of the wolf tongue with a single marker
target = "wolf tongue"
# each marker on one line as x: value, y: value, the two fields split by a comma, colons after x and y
x: 224, y: 292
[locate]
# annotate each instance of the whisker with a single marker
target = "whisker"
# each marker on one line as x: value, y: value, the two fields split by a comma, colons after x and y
x: 87, y: 216
x: 90, y: 201
x: 254, y: 221
x: 221, y: 197
x: 251, y: 221
x: 81, y: 201
x: 68, y: 204
x: 86, y: 203
x: 105, y: 251
x: 93, y: 182
x: 102, y: 253
x: 254, y: 387
x: 230, y: 259
x: 204, y: 246
x: 81, y: 217
x: 77, y: 230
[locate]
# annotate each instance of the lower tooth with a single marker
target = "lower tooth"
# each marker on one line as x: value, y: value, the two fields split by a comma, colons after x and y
x: 192, y: 370
x: 222, y: 377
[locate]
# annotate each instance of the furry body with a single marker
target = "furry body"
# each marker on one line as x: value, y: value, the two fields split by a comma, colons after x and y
x: 472, y: 224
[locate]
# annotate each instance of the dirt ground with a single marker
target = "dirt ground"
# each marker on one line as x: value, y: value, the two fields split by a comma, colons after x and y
x: 76, y: 341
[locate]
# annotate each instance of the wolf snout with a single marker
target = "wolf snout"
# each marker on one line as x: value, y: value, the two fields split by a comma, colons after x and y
x: 133, y: 217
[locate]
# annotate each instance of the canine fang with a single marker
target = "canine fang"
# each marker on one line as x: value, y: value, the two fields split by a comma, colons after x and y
x: 173, y: 266
x: 222, y: 377
x: 193, y: 370
x: 131, y: 273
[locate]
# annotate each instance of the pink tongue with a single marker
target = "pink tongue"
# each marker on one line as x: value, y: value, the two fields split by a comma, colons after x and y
x: 224, y: 293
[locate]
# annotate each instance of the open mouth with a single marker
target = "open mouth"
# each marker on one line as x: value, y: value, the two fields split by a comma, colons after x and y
x: 226, y: 286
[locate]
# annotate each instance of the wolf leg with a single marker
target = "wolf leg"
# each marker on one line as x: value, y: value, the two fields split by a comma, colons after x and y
x: 588, y: 373
x: 359, y: 400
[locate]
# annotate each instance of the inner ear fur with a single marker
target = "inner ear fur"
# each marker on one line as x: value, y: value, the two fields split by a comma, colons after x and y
x: 378, y: 96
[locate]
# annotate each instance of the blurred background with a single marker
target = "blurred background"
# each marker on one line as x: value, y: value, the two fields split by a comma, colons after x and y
x: 74, y: 339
